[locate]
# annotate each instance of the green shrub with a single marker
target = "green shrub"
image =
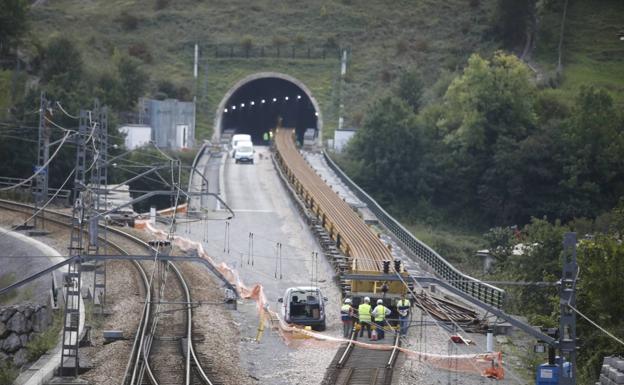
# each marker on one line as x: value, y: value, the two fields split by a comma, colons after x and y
x: 402, y: 46
x: 279, y: 41
x: 8, y: 373
x: 46, y: 340
x: 421, y: 45
x: 247, y: 42
x: 140, y: 51
x: 129, y: 22
x: 161, y: 4
x: 6, y: 280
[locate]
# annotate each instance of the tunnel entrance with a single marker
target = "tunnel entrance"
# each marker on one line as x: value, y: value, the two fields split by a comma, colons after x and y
x: 255, y: 104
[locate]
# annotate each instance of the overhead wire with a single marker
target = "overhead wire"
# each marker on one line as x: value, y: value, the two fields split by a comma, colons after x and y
x: 65, y: 112
x: 43, y: 167
x: 595, y: 324
x: 19, y: 138
x: 47, y: 203
x: 144, y: 176
x: 57, y: 125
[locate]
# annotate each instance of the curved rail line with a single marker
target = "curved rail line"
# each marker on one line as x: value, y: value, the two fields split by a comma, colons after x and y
x: 356, y: 365
x: 138, y: 363
x: 349, y: 231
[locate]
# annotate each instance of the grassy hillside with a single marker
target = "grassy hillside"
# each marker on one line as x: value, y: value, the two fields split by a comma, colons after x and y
x: 592, y: 51
x: 384, y: 37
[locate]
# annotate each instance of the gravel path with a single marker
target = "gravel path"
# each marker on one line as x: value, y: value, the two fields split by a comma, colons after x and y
x: 215, y: 332
x: 124, y: 302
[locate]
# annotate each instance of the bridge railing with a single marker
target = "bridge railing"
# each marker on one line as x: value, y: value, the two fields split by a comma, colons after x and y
x: 477, y: 289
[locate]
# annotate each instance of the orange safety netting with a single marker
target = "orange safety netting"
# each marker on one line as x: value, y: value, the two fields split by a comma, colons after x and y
x: 485, y: 364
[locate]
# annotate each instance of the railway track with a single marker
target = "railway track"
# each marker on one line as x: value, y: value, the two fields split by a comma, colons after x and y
x: 153, y: 340
x: 357, y: 365
x: 354, y: 363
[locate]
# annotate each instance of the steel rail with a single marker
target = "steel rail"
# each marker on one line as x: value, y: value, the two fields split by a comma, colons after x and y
x: 347, y: 351
x: 131, y: 374
x: 356, y: 364
x: 190, y: 352
x: 353, y: 235
x: 395, y: 352
x: 141, y: 342
x: 360, y: 365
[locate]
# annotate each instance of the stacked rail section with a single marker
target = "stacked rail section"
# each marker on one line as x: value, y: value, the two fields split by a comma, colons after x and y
x: 367, y: 257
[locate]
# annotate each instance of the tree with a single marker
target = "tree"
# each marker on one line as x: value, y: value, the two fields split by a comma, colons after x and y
x: 593, y: 144
x: 133, y: 81
x: 387, y: 149
x: 62, y: 63
x: 489, y: 110
x: 410, y: 88
x: 539, y: 261
x: 599, y: 288
x: 13, y: 23
x: 108, y: 90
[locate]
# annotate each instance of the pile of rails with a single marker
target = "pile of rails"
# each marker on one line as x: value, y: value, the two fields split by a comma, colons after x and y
x: 349, y: 232
x: 446, y: 310
x: 348, y: 243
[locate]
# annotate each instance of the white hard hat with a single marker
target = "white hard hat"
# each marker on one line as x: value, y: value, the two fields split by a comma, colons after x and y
x: 380, y: 301
x: 347, y: 300
x: 366, y: 299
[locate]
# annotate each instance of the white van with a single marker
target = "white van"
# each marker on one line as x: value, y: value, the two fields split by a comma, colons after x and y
x: 304, y: 305
x: 236, y: 139
x: 244, y: 152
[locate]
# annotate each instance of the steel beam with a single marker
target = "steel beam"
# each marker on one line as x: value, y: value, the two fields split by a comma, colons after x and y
x: 84, y: 258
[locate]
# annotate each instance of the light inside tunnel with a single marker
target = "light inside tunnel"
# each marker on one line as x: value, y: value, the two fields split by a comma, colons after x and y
x: 256, y: 117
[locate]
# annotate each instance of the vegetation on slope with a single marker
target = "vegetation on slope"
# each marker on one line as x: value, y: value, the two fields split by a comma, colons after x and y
x: 383, y: 38
x: 446, y: 136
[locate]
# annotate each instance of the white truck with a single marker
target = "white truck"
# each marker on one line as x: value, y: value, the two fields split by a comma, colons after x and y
x: 238, y: 139
x: 304, y: 305
x: 244, y: 152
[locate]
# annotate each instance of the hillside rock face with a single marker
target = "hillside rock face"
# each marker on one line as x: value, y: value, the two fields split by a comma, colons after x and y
x: 20, y: 324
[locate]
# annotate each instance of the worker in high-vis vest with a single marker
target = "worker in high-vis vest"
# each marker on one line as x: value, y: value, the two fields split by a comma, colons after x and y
x: 403, y: 306
x: 380, y: 312
x: 346, y: 315
x: 364, y: 314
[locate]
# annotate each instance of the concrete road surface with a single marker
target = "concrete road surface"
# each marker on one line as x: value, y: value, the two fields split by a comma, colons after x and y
x: 20, y: 257
x: 262, y: 207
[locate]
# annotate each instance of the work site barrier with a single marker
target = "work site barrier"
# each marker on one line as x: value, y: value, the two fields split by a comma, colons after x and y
x: 483, y: 364
x: 482, y: 291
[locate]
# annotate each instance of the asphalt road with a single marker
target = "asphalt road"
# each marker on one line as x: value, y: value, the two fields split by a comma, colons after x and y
x: 17, y: 262
x: 262, y: 207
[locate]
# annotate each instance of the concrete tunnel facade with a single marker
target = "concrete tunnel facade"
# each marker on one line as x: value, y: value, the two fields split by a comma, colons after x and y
x: 255, y: 103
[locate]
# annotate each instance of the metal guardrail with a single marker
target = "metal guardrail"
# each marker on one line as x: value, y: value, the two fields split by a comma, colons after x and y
x: 8, y: 181
x: 482, y: 291
x: 60, y: 195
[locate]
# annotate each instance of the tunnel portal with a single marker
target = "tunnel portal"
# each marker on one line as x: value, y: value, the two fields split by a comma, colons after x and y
x: 255, y: 107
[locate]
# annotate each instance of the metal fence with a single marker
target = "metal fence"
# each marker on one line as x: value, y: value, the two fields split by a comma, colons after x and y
x: 477, y: 289
x: 285, y: 51
x: 61, y: 196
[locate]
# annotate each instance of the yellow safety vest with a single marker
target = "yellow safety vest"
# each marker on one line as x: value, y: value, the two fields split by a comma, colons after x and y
x: 364, y: 312
x: 403, y: 307
x: 380, y: 312
x: 345, y: 312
